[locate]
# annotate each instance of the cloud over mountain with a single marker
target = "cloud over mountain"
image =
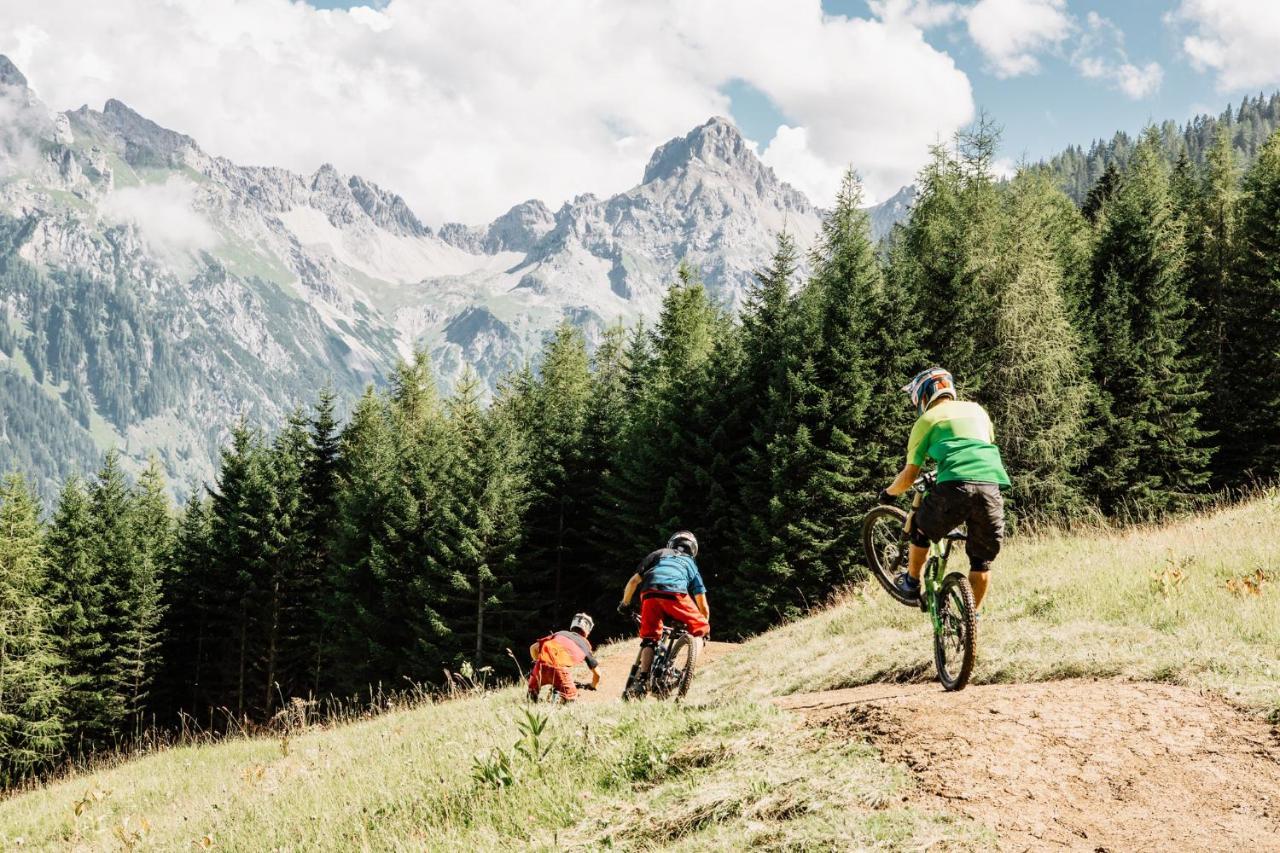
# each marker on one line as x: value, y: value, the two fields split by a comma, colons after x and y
x: 464, y: 105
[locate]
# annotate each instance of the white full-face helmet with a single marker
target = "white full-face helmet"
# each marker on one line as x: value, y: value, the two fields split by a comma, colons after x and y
x: 582, y: 622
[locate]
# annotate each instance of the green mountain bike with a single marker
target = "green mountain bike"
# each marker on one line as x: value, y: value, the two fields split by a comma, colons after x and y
x: 947, y: 598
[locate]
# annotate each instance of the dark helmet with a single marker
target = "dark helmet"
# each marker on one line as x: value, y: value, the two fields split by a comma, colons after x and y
x: 685, y: 541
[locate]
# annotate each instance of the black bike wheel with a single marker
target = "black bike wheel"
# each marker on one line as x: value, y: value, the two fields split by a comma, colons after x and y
x: 955, y: 646
x: 884, y: 537
x: 633, y: 688
x: 682, y: 663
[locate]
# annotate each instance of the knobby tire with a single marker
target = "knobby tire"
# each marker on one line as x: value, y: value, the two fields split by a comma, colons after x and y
x: 891, y: 520
x: 956, y: 595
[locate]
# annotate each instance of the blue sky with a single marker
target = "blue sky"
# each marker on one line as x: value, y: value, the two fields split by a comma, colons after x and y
x: 466, y: 107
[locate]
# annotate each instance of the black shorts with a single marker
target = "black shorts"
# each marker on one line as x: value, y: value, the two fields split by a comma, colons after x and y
x: 950, y: 504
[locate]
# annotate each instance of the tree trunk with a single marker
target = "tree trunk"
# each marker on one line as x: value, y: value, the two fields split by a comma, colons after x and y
x: 555, y: 610
x: 479, y: 615
x: 271, y: 645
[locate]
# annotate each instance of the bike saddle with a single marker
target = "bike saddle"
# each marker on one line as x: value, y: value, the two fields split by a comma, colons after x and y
x: 957, y: 535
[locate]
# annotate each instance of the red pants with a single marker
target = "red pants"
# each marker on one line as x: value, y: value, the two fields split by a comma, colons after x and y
x: 677, y: 605
x: 557, y: 676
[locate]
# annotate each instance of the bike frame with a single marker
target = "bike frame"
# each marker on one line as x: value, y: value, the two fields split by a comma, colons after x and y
x: 661, y: 656
x: 935, y: 565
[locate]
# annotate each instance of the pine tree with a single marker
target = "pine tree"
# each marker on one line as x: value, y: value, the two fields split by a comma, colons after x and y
x: 1150, y: 456
x: 1035, y: 389
x: 152, y: 524
x: 320, y: 499
x: 951, y: 245
x: 856, y: 429
x: 488, y: 480
x: 782, y: 545
x: 77, y: 595
x: 555, y: 558
x: 370, y: 492
x: 32, y: 730
x: 290, y: 579
x: 188, y: 596
x: 119, y: 561
x: 1250, y: 438
x: 1101, y: 192
x: 240, y: 510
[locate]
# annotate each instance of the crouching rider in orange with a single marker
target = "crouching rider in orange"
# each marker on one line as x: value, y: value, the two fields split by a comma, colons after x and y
x: 556, y: 654
x: 670, y: 586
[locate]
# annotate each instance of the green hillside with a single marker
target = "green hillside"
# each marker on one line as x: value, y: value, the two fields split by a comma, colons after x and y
x: 1193, y: 603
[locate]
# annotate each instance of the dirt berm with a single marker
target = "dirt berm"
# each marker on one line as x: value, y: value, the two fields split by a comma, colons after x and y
x: 1077, y: 764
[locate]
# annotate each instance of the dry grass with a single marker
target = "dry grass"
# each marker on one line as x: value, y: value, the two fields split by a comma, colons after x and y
x: 1197, y: 602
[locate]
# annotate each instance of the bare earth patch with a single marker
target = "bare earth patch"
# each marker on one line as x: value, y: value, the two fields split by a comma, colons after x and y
x: 1079, y: 764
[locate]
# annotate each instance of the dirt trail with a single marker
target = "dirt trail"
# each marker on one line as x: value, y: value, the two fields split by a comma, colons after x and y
x: 615, y: 664
x: 1079, y: 765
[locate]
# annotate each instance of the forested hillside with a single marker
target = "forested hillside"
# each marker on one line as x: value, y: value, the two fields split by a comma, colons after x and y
x: 1247, y: 126
x: 1126, y: 354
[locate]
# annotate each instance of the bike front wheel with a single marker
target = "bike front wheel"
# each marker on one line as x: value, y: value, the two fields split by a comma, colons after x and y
x: 884, y: 536
x: 955, y: 644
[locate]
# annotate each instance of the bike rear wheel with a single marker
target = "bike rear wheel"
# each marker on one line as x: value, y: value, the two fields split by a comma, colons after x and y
x: 884, y: 537
x: 955, y: 645
x: 677, y: 670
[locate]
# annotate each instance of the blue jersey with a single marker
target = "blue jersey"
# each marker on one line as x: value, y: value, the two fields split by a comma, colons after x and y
x: 668, y: 570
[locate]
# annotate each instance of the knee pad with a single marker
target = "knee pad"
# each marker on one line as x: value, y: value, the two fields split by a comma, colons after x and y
x: 648, y: 644
x: 916, y: 536
x: 979, y: 566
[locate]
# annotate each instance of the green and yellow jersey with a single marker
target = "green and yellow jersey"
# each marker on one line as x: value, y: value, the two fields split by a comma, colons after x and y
x: 958, y: 435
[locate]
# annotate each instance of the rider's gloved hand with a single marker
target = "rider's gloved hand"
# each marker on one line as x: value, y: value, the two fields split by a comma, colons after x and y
x: 624, y: 609
x: 887, y: 499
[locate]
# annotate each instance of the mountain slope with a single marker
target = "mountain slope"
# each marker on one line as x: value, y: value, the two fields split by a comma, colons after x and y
x: 1076, y: 737
x: 151, y: 294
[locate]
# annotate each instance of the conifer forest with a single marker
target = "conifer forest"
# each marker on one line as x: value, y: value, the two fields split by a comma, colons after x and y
x: 1117, y: 312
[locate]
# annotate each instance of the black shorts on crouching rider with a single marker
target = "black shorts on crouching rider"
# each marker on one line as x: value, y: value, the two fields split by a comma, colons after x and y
x: 956, y: 502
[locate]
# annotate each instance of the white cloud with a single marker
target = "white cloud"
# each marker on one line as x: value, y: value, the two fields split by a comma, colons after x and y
x: 20, y: 126
x: 789, y: 154
x: 924, y: 14
x: 1237, y: 39
x: 1100, y: 55
x: 467, y: 106
x: 1011, y: 32
x: 165, y: 215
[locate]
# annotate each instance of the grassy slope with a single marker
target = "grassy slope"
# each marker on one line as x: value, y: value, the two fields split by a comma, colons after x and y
x: 727, y: 769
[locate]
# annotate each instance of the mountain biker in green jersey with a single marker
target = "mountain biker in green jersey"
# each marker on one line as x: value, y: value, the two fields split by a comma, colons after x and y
x: 957, y: 435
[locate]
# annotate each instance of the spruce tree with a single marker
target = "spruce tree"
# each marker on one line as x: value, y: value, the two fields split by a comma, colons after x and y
x: 1035, y: 389
x: 240, y: 510
x: 857, y: 426
x: 152, y: 524
x: 320, y: 505
x: 555, y: 556
x: 118, y: 557
x: 1250, y: 407
x: 77, y: 594
x: 783, y: 542
x: 188, y: 596
x: 488, y: 484
x: 1150, y: 456
x: 369, y: 491
x: 32, y: 716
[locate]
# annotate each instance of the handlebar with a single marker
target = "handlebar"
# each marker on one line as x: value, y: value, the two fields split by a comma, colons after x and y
x: 925, y: 482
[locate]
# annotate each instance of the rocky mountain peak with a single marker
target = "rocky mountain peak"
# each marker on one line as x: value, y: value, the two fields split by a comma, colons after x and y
x: 715, y: 143
x: 144, y: 142
x: 9, y: 73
